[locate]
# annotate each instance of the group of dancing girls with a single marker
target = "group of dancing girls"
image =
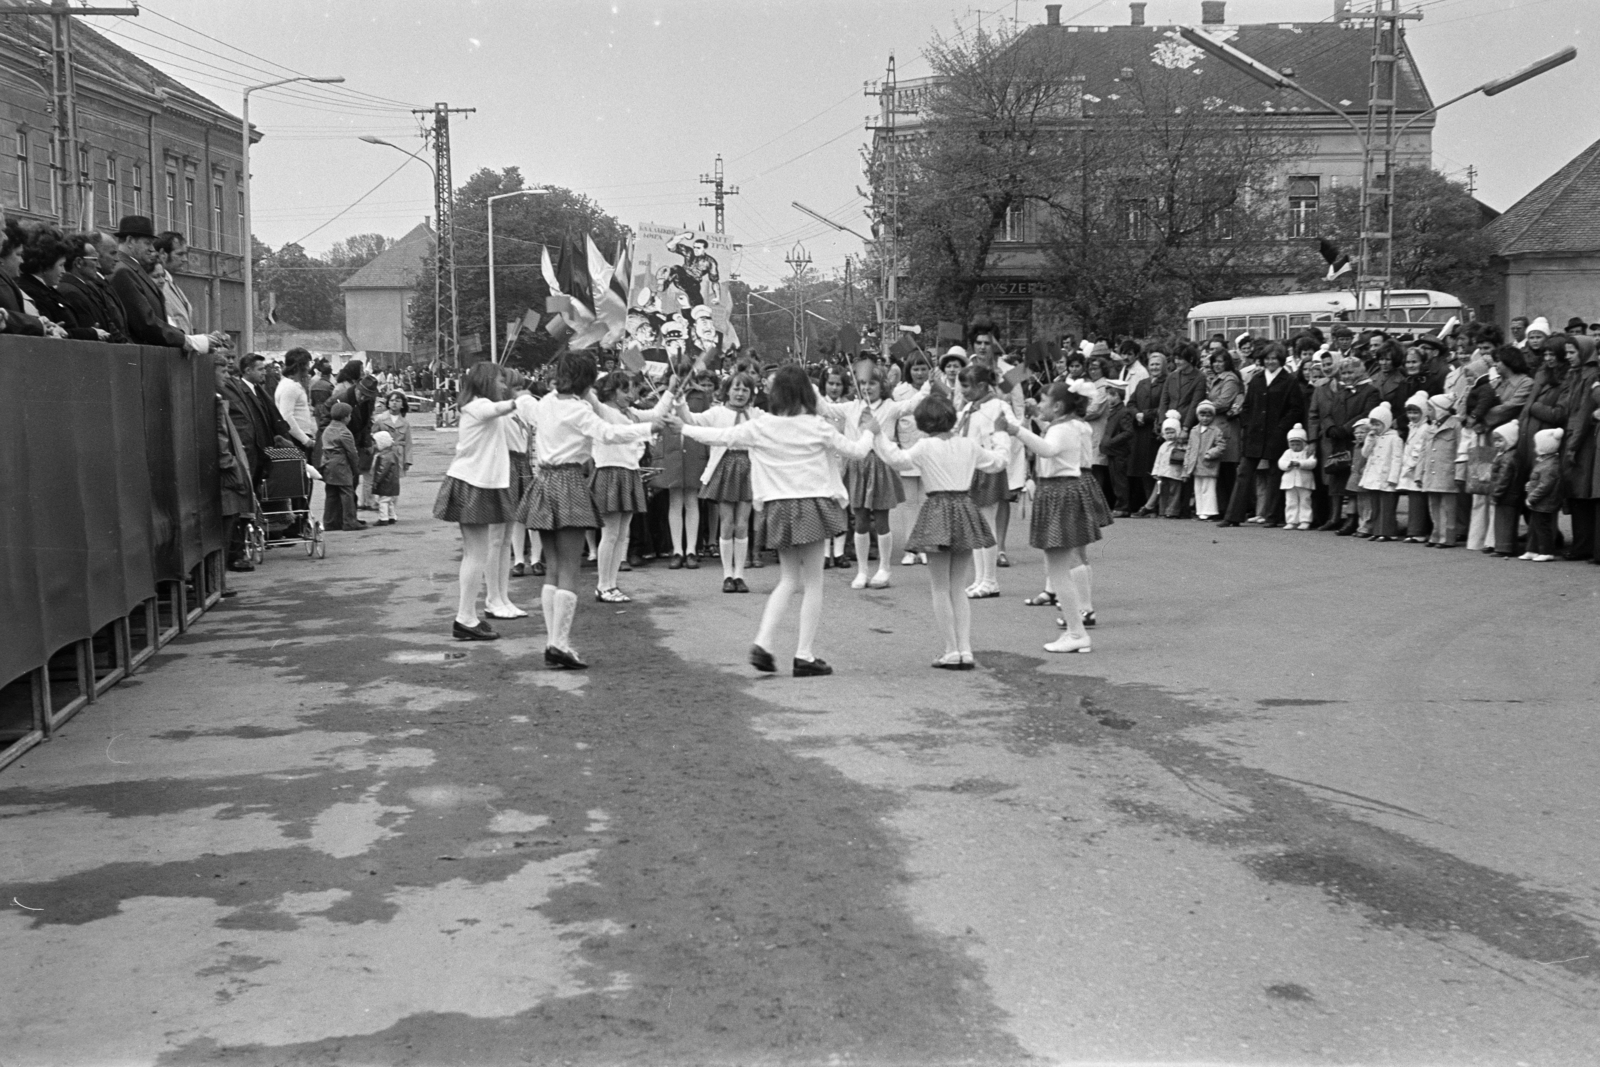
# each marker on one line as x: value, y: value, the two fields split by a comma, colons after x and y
x: 783, y: 461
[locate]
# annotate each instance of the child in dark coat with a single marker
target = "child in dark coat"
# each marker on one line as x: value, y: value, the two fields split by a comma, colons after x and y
x: 385, y: 476
x: 340, y: 463
x: 1544, y: 496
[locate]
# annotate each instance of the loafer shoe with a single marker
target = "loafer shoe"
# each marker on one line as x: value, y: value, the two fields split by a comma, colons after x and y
x: 480, y: 632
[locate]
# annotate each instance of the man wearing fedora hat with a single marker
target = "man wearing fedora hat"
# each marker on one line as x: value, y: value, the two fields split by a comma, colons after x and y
x: 141, y: 297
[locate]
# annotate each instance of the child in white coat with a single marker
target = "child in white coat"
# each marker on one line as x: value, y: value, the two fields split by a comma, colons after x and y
x: 1297, y: 463
x: 1384, y: 453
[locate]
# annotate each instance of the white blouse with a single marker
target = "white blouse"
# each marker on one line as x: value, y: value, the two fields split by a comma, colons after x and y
x: 566, y: 429
x: 482, y: 458
x: 792, y: 457
x: 626, y: 454
x: 722, y: 417
x: 1060, y: 450
x: 945, y: 464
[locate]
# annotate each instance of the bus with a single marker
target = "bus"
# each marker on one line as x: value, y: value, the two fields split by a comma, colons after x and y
x: 1277, y: 318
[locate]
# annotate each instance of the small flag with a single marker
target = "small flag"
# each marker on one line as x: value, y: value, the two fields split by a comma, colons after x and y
x: 1016, y: 375
x: 471, y: 345
x: 1338, y: 262
x: 1038, y: 354
x: 547, y: 270
x: 572, y: 272
x: 849, y: 340
x: 902, y: 348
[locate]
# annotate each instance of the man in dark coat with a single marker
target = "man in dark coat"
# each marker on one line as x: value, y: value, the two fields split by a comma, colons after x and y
x: 85, y: 293
x: 141, y: 297
x: 257, y: 418
x: 1184, y: 388
x: 43, y: 266
x: 1145, y: 402
x: 1273, y: 403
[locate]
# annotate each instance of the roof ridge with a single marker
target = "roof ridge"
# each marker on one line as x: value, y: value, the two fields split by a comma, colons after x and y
x: 1548, y: 192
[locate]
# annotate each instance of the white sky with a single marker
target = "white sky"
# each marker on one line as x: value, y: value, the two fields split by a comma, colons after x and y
x: 629, y: 101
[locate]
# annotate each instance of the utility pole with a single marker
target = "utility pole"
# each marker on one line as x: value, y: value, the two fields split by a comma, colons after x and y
x: 718, y: 198
x: 1377, y: 165
x: 1472, y: 181
x: 799, y: 261
x: 886, y: 205
x: 444, y: 250
x: 74, y: 208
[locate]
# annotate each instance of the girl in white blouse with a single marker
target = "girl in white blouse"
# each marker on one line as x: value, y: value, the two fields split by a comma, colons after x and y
x: 726, y: 480
x: 949, y: 527
x: 1067, y: 516
x: 559, y: 500
x: 794, y: 478
x: 617, y: 485
x: 978, y: 420
x: 477, y: 494
x: 908, y: 394
x: 874, y: 489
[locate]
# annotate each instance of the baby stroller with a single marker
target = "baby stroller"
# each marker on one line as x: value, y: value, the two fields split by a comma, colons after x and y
x: 283, y: 508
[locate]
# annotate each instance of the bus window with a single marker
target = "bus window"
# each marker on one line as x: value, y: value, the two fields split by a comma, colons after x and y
x: 1263, y: 323
x: 1280, y: 327
x: 1235, y: 322
x: 1216, y: 326
x: 1299, y: 320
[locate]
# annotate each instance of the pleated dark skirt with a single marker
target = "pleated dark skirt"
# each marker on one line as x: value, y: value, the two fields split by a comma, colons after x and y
x: 617, y: 489
x: 989, y: 489
x: 788, y: 523
x: 472, y: 505
x: 559, y: 498
x: 521, y: 475
x: 872, y: 484
x: 1067, y: 513
x: 730, y: 481
x: 949, y: 522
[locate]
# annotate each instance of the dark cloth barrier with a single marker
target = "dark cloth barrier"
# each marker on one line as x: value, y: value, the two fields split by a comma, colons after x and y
x: 107, y: 486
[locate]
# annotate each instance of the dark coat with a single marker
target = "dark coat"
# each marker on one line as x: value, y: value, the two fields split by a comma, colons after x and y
x: 259, y: 423
x: 1578, y: 446
x: 1146, y: 401
x: 386, y: 473
x: 1117, y: 445
x: 1544, y: 484
x: 1546, y: 408
x: 92, y: 303
x: 1344, y: 408
x: 143, y: 303
x: 1183, y: 390
x: 339, y: 459
x: 17, y: 320
x: 1270, y: 412
x: 232, y: 465
x: 48, y: 301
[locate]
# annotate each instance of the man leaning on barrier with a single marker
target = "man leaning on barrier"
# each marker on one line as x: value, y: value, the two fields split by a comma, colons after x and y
x: 141, y: 297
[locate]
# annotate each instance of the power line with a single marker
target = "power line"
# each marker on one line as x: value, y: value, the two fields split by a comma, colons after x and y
x: 358, y: 200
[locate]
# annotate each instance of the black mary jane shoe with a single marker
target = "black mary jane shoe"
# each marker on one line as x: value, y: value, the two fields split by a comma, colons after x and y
x: 762, y: 660
x: 810, y: 668
x: 676, y: 564
x: 691, y: 563
x: 739, y: 586
x: 728, y: 586
x: 561, y: 659
x: 537, y: 570
x: 481, y: 632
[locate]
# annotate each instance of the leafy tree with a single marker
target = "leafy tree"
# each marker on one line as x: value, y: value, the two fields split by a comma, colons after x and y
x: 1439, y: 241
x: 522, y: 225
x: 305, y: 288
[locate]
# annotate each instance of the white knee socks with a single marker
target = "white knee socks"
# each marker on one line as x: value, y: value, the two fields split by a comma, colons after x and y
x: 547, y: 607
x: 741, y: 546
x: 725, y: 550
x: 564, y: 605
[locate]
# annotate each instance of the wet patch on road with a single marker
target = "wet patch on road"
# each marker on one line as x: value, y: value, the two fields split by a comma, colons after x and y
x: 1293, y: 832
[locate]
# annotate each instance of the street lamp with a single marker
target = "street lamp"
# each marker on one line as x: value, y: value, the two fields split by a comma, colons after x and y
x: 820, y: 217
x: 438, y: 257
x: 1275, y: 79
x: 494, y: 322
x: 247, y: 239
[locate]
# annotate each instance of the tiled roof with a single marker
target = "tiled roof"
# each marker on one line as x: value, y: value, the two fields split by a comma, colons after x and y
x: 1561, y: 216
x: 398, y: 266
x: 94, y: 53
x: 1331, y: 59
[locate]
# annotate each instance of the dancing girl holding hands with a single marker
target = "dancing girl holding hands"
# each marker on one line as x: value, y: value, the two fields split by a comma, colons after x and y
x: 726, y: 480
x: 795, y: 484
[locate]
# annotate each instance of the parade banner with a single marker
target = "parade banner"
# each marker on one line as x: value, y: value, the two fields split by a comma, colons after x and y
x: 108, y: 485
x: 678, y: 300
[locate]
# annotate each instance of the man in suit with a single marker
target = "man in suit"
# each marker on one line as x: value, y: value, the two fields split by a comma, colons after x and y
x: 141, y: 297
x: 254, y: 415
x: 172, y: 254
x: 85, y: 292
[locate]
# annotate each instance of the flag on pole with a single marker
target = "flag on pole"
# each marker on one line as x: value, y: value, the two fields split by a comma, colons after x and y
x: 548, y: 270
x: 572, y: 274
x: 611, y: 292
x: 1338, y: 262
x: 599, y: 272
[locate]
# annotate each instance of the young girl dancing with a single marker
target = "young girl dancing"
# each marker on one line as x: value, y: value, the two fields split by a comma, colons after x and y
x: 908, y: 394
x: 980, y: 415
x: 727, y: 477
x: 949, y: 527
x: 558, y: 500
x: 795, y: 484
x: 520, y: 440
x: 874, y: 489
x: 682, y: 463
x: 1067, y: 516
x: 617, y: 485
x: 836, y: 390
x: 476, y: 494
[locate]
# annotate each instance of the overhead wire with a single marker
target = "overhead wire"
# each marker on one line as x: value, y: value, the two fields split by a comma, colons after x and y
x: 353, y: 203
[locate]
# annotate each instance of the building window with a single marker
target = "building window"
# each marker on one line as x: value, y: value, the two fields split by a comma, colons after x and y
x: 1011, y: 228
x: 55, y: 178
x: 1303, y: 198
x: 1135, y: 220
x: 217, y: 232
x: 190, y: 232
x: 24, y: 173
x: 172, y: 200
x: 85, y: 185
x: 113, y: 205
x: 138, y: 188
x: 244, y: 238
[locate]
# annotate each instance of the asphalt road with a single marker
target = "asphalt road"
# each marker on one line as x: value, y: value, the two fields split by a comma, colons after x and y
x: 1309, y: 801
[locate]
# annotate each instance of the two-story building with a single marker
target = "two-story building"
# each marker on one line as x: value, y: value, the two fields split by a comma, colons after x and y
x: 147, y: 145
x: 1332, y: 59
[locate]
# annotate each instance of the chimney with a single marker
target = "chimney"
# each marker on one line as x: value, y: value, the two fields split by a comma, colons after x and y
x: 1052, y: 14
x: 1138, y: 12
x: 1213, y: 12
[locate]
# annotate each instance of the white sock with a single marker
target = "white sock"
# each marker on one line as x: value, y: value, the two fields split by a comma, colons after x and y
x: 566, y: 606
x: 863, y: 551
x: 547, y: 607
x: 741, y: 546
x: 1083, y: 583
x: 725, y: 550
